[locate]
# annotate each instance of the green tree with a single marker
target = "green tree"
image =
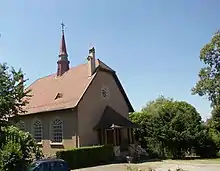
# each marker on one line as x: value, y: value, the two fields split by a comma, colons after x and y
x: 209, y: 76
x: 205, y: 146
x: 17, y: 148
x: 215, y: 120
x: 167, y: 127
x: 18, y: 151
x: 214, y: 127
x: 209, y: 83
x: 12, y: 95
x: 11, y: 157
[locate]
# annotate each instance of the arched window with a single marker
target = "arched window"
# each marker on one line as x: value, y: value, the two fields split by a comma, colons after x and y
x: 37, y: 131
x: 21, y: 125
x: 57, y: 131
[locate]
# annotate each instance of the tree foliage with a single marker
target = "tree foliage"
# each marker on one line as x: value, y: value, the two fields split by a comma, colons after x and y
x: 11, y: 157
x: 168, y: 128
x: 11, y: 92
x: 209, y: 76
x: 17, y: 148
x: 209, y: 83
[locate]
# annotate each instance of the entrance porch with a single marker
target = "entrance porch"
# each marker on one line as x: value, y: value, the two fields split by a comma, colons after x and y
x: 116, y: 130
x: 120, y: 138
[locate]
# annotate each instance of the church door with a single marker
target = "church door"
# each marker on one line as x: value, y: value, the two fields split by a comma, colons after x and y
x: 110, y: 136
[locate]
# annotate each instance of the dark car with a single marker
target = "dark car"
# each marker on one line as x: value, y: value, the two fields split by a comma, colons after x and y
x: 50, y: 165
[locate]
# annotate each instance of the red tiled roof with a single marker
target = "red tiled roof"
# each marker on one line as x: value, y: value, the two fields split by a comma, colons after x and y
x: 71, y: 85
x: 52, y: 93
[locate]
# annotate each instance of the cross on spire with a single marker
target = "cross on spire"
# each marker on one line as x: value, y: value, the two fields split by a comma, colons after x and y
x: 62, y: 26
x: 63, y: 62
x: 63, y: 51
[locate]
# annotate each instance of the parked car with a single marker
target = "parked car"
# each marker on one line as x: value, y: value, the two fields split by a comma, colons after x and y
x: 49, y: 165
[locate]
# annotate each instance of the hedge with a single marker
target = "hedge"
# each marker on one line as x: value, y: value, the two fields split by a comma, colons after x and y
x: 87, y: 156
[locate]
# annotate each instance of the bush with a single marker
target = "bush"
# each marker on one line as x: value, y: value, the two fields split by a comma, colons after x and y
x: 206, y: 147
x: 11, y: 157
x: 87, y: 156
x: 17, y: 149
x: 218, y: 154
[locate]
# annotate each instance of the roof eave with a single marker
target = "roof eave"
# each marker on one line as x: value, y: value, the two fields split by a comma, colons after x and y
x: 44, y: 111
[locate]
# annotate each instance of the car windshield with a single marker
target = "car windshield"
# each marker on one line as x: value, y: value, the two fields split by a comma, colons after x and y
x: 33, y: 166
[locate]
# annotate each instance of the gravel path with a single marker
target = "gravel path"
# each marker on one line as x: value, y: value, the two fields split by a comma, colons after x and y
x: 160, y: 166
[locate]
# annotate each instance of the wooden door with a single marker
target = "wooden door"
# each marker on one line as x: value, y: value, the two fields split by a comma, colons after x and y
x: 110, y: 136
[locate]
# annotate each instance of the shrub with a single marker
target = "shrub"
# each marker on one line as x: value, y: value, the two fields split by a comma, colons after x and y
x: 87, y: 156
x: 17, y: 149
x: 205, y: 146
x: 218, y: 154
x: 11, y: 157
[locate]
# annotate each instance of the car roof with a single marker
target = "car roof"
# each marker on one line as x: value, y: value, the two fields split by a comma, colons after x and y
x: 50, y: 160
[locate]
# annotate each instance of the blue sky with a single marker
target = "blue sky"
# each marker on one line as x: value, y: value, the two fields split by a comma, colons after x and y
x: 153, y: 45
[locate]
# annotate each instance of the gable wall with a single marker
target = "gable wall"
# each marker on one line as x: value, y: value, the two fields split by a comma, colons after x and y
x: 92, y: 106
x: 69, y: 128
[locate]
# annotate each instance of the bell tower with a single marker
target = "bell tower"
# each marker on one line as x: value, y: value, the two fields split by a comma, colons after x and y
x: 63, y: 62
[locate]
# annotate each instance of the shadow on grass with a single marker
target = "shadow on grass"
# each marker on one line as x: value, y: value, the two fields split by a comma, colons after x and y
x: 136, y: 160
x: 144, y: 160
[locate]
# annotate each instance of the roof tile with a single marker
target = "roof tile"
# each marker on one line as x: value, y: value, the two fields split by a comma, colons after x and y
x: 71, y: 85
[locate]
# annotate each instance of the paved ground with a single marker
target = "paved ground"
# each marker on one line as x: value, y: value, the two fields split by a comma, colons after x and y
x: 162, y: 166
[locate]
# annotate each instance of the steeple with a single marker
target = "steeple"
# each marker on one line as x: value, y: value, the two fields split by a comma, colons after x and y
x: 63, y: 43
x: 63, y: 63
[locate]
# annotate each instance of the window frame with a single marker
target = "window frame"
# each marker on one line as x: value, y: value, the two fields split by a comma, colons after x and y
x: 52, y: 142
x: 33, y: 130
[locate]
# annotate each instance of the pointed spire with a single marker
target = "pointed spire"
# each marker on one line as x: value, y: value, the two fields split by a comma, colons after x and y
x: 63, y: 63
x: 63, y: 51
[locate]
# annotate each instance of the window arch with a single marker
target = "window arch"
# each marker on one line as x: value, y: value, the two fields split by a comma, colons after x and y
x: 21, y: 125
x: 57, y: 131
x: 37, y: 131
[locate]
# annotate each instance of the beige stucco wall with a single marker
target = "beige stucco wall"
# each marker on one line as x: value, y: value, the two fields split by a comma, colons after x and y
x: 69, y: 129
x: 92, y: 106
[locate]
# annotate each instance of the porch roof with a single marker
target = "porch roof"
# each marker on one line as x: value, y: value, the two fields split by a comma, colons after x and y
x: 112, y: 119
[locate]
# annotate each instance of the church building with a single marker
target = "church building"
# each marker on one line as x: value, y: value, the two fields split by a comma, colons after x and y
x: 84, y: 105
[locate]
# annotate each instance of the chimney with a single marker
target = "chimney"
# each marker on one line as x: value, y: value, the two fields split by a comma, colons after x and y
x: 63, y: 62
x: 91, y: 62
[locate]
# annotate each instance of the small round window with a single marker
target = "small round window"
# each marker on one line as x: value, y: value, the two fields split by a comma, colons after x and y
x: 105, y: 92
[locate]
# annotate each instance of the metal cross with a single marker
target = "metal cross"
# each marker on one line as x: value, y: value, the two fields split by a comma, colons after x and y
x: 62, y: 26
